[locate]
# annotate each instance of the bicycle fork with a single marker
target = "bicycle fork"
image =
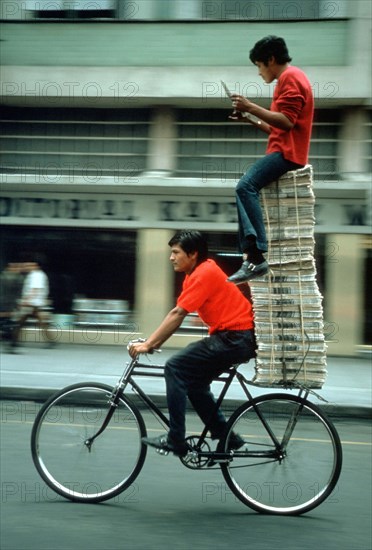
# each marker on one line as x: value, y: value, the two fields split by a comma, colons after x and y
x: 113, y: 403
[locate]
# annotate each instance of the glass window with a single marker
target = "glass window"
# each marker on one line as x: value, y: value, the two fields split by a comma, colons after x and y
x: 209, y: 146
x: 80, y: 263
x: 70, y: 9
x: 368, y: 143
x: 324, y: 144
x: 87, y: 142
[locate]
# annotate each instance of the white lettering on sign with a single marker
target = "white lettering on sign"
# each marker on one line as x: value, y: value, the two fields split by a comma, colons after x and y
x: 171, y: 210
x: 71, y: 209
x: 166, y: 211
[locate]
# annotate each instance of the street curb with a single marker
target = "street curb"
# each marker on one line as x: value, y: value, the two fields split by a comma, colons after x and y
x: 42, y: 394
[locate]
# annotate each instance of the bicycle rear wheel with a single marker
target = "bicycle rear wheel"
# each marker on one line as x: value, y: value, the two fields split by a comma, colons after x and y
x: 60, y: 443
x: 295, y: 475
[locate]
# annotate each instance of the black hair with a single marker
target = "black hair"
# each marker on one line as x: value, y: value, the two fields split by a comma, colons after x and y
x: 268, y: 47
x: 191, y: 241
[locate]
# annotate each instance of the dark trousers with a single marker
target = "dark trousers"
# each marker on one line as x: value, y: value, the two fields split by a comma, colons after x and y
x: 190, y: 372
x: 24, y: 313
x: 251, y: 225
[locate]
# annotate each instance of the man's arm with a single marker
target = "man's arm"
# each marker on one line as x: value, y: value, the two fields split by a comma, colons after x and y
x: 271, y: 118
x: 164, y: 331
x: 240, y: 116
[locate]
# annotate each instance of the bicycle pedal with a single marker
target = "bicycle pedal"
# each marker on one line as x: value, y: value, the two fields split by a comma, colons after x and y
x: 162, y: 452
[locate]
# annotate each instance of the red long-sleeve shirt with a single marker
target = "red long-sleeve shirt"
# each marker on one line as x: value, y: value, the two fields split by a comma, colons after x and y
x: 293, y: 97
x: 219, y: 303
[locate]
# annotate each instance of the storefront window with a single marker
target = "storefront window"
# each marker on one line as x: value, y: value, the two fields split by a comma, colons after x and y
x: 81, y: 264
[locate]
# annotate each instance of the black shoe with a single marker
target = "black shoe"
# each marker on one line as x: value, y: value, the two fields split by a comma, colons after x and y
x: 164, y: 445
x: 235, y: 442
x: 249, y: 271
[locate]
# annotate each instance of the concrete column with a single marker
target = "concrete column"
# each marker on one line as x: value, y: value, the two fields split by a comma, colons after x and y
x: 353, y: 139
x: 344, y: 287
x: 163, y: 141
x: 154, y: 279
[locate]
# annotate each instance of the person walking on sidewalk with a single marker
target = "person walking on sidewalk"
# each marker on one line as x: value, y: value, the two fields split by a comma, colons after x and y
x: 33, y: 302
x: 189, y: 372
x: 288, y: 124
x: 11, y: 282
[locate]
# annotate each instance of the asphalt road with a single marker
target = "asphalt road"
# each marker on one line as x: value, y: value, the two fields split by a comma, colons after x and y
x: 170, y: 506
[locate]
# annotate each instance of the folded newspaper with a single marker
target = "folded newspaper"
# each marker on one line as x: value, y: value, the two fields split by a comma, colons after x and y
x: 287, y: 302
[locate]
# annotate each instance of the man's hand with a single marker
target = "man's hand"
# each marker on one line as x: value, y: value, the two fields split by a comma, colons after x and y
x: 238, y: 116
x: 263, y: 119
x: 240, y: 112
x: 136, y: 348
x: 267, y: 118
x: 167, y: 327
x: 241, y: 103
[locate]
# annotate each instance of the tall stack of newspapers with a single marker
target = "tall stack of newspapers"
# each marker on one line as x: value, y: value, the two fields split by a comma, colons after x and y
x: 287, y: 302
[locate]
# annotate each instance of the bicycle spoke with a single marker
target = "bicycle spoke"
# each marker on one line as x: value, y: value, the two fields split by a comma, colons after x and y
x: 303, y: 473
x: 78, y: 452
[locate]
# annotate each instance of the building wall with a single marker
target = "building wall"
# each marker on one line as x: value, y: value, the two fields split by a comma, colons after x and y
x: 149, y: 149
x: 169, y: 65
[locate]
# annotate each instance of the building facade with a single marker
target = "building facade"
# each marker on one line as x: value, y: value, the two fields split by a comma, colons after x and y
x: 115, y: 133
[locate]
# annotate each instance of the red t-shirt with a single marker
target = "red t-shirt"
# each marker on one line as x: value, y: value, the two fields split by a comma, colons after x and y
x: 293, y: 97
x: 219, y: 304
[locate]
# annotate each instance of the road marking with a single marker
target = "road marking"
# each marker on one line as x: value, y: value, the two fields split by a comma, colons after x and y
x: 158, y: 430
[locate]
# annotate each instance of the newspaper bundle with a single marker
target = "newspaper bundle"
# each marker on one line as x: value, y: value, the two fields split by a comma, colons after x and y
x: 287, y: 302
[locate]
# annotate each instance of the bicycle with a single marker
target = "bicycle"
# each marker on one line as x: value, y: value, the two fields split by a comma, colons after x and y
x: 86, y: 444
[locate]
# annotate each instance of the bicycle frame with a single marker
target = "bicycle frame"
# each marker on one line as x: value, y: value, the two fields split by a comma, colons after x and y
x: 136, y: 369
x: 279, y: 453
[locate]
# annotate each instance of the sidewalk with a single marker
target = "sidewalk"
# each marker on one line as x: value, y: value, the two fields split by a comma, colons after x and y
x: 36, y: 372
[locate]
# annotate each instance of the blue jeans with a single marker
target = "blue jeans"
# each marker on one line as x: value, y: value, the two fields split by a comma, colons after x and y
x: 190, y: 372
x: 251, y: 225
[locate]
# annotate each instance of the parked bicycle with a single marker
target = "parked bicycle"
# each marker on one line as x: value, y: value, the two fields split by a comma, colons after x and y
x: 86, y: 444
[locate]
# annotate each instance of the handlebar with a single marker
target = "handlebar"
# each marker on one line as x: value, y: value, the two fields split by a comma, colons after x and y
x: 142, y: 340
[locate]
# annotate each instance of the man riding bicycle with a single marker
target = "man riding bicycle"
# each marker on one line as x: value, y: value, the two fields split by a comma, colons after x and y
x: 189, y: 373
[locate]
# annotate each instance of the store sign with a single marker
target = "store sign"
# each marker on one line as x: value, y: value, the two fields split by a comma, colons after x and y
x: 66, y: 209
x: 136, y: 211
x: 142, y: 210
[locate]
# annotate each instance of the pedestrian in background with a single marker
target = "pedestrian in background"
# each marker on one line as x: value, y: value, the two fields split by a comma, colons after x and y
x: 11, y: 282
x: 34, y: 302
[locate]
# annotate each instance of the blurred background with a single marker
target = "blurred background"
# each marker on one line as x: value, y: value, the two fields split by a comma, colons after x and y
x: 115, y: 133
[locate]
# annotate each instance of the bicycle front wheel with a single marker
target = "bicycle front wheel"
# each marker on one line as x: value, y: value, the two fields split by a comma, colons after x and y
x: 292, y: 457
x: 66, y: 457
